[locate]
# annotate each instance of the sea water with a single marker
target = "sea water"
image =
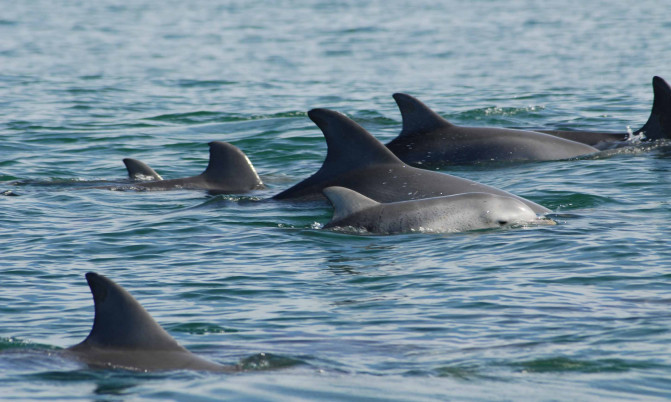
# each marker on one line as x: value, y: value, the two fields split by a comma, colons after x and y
x: 579, y: 310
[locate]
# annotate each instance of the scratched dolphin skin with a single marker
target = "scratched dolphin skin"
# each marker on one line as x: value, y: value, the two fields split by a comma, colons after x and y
x: 228, y: 172
x: 125, y: 336
x: 356, y: 160
x: 452, y: 213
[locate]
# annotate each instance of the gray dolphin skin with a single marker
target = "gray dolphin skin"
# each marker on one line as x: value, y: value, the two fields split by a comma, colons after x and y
x: 429, y: 140
x: 138, y: 170
x: 125, y: 336
x: 356, y: 160
x: 229, y: 172
x: 453, y: 213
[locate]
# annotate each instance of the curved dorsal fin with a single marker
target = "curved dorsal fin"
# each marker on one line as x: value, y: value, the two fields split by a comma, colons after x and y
x: 349, y: 144
x: 417, y: 117
x: 658, y: 125
x: 230, y: 165
x: 121, y: 322
x: 138, y: 170
x: 346, y: 202
x: 350, y: 147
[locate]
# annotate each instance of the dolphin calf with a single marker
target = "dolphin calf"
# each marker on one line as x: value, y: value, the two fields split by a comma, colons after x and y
x: 125, y: 336
x: 356, y: 160
x: 228, y: 172
x: 427, y: 139
x: 657, y: 127
x: 452, y: 213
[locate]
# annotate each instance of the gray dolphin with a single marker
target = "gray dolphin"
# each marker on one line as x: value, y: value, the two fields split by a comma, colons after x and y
x: 427, y: 139
x: 657, y: 127
x: 138, y: 170
x: 452, y: 213
x: 356, y: 160
x: 228, y: 172
x: 125, y: 336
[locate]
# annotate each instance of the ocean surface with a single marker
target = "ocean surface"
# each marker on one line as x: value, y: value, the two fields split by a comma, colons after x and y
x: 576, y: 311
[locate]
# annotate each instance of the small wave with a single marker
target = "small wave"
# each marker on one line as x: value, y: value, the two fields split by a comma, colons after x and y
x: 267, y: 361
x: 204, y: 116
x: 564, y: 364
x: 16, y: 343
x: 201, y: 329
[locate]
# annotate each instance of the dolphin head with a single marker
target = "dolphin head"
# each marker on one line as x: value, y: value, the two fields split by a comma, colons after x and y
x: 498, y: 211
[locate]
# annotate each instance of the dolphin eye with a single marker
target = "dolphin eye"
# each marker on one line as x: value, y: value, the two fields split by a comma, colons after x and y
x: 502, y: 222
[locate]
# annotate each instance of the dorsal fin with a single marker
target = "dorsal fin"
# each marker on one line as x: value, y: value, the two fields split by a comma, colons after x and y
x: 230, y: 165
x: 349, y: 144
x: 138, y: 170
x: 658, y: 125
x: 346, y: 202
x: 350, y: 147
x: 121, y: 322
x: 417, y: 117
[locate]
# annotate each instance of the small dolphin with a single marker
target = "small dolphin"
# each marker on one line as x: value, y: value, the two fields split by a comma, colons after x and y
x: 657, y: 127
x: 138, y: 170
x: 228, y: 172
x: 427, y: 139
x: 125, y: 336
x: 356, y: 160
x: 452, y: 213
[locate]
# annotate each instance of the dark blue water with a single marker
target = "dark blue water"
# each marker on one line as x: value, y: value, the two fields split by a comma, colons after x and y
x: 579, y: 310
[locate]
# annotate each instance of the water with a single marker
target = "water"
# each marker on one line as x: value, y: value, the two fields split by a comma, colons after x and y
x: 574, y: 311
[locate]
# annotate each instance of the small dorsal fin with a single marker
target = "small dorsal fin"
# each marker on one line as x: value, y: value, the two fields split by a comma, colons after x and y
x: 417, y: 117
x: 121, y: 322
x: 138, y: 170
x: 350, y: 147
x: 346, y: 202
x: 658, y: 125
x: 230, y: 165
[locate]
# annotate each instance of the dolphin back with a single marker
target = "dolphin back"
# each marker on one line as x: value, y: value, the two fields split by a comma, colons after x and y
x: 231, y: 167
x: 121, y: 322
x: 350, y: 147
x: 347, y: 202
x: 138, y: 170
x: 417, y: 117
x: 658, y: 125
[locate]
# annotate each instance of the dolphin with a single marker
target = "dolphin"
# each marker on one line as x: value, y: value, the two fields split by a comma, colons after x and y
x: 228, y: 172
x: 356, y: 160
x: 427, y: 139
x: 452, y: 213
x: 125, y: 336
x: 657, y: 127
x: 138, y: 170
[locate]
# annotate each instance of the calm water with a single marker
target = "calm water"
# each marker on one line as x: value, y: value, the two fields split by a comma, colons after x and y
x: 575, y: 311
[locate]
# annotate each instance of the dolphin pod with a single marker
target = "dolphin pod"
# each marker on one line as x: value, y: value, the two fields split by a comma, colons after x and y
x: 356, y: 160
x: 125, y: 336
x: 229, y: 171
x: 453, y: 213
x: 427, y: 139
